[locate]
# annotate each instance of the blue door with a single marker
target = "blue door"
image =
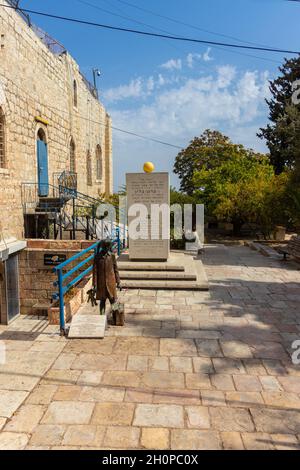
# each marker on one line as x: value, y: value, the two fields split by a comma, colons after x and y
x: 43, y: 177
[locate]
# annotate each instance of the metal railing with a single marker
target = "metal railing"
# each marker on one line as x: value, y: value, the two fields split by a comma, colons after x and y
x: 63, y: 275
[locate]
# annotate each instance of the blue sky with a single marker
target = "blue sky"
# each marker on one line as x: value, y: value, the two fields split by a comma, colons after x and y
x: 172, y: 91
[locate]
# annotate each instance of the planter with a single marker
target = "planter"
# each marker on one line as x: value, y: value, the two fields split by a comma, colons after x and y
x: 72, y: 305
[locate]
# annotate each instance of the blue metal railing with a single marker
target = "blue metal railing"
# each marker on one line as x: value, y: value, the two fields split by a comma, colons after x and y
x: 63, y: 275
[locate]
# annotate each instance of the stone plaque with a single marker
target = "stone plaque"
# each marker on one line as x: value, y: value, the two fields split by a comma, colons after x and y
x: 149, y: 189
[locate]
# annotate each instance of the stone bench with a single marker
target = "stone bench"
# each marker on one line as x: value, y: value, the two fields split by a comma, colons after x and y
x: 292, y: 248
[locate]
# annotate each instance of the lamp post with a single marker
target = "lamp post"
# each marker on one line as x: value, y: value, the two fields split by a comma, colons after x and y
x: 96, y: 73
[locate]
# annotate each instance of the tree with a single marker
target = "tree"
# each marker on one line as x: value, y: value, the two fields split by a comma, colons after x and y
x: 281, y: 134
x: 241, y: 189
x: 207, y: 151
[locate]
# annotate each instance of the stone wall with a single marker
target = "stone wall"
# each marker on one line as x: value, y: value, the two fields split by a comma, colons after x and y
x: 36, y: 279
x: 36, y: 83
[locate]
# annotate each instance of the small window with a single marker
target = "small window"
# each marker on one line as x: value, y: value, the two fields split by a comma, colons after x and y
x: 89, y: 169
x: 75, y: 97
x: 72, y: 156
x: 99, y: 162
x: 2, y: 140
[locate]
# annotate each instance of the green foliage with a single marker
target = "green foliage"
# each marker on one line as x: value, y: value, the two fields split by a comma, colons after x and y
x: 282, y: 134
x: 242, y: 189
x: 207, y: 151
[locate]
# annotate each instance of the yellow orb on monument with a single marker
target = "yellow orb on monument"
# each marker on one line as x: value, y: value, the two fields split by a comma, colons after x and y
x: 149, y: 167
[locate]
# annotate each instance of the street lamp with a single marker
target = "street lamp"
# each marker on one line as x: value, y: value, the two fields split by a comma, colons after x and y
x: 96, y: 73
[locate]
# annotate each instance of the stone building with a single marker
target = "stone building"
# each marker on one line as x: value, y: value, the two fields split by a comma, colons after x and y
x: 51, y: 125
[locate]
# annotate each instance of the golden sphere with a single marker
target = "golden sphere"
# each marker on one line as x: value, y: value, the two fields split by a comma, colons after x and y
x: 149, y: 167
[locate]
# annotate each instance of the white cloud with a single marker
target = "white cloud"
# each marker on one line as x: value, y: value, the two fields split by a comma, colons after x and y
x: 192, y: 58
x: 133, y: 90
x: 206, y: 56
x: 179, y: 107
x: 224, y: 99
x: 172, y: 64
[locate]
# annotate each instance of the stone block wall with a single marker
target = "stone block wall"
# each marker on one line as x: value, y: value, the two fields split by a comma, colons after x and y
x: 36, y: 279
x: 36, y: 83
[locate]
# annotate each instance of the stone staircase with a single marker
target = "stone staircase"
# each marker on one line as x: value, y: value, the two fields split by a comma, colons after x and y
x: 180, y: 272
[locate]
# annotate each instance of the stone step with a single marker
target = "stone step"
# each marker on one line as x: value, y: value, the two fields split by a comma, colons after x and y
x: 162, y: 275
x: 132, y: 266
x: 165, y: 285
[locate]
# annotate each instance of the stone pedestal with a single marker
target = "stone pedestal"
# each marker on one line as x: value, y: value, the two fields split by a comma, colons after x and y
x: 149, y: 189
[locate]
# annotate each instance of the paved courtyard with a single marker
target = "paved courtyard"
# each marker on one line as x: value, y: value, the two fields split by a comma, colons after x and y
x: 191, y: 370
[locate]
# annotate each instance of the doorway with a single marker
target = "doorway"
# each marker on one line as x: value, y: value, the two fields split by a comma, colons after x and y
x: 42, y: 164
x: 12, y: 287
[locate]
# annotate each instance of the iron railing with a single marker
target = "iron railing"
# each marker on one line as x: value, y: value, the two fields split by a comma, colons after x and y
x: 64, y: 275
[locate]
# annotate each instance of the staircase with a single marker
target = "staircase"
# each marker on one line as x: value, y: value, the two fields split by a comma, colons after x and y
x: 180, y: 272
x: 64, y: 213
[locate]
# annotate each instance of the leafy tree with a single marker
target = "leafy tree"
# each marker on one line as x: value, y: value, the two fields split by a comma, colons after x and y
x: 282, y: 134
x: 241, y: 189
x: 207, y: 151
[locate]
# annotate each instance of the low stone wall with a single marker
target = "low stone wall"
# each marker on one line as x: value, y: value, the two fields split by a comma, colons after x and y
x: 36, y: 279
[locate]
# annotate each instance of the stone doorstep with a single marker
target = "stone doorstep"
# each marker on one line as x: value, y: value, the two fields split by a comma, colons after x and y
x: 87, y: 326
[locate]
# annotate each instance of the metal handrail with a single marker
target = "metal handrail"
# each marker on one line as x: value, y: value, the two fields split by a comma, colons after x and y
x: 63, y: 276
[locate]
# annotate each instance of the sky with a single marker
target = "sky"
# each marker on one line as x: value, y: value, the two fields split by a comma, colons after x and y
x: 172, y: 91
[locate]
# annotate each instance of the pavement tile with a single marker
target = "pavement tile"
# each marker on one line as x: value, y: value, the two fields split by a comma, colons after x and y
x: 10, y: 400
x: 197, y: 417
x: 13, y: 441
x: 198, y: 381
x: 195, y: 440
x: 276, y: 421
x: 121, y: 437
x: 258, y: 441
x: 166, y: 416
x: 231, y: 419
x: 232, y: 441
x: 177, y: 347
x: 47, y: 435
x: 155, y: 438
x: 101, y: 394
x: 222, y: 382
x: 26, y: 419
x: 84, y: 435
x: 247, y: 383
x: 285, y: 442
x: 113, y: 414
x: 68, y: 412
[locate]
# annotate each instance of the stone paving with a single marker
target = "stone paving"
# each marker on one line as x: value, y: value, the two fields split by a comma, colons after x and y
x: 191, y: 370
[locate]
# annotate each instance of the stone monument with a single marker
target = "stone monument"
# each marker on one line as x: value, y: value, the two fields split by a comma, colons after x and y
x: 149, y: 189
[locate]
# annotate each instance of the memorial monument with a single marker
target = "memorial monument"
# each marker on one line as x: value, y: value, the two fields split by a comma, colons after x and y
x: 152, y: 191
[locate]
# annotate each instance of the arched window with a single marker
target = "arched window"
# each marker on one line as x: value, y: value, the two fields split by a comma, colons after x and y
x: 75, y: 98
x: 41, y: 135
x: 2, y: 140
x: 99, y: 163
x: 72, y: 156
x: 89, y: 177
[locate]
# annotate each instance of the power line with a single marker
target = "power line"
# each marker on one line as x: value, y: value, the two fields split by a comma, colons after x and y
x: 179, y: 22
x: 174, y: 20
x: 146, y: 33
